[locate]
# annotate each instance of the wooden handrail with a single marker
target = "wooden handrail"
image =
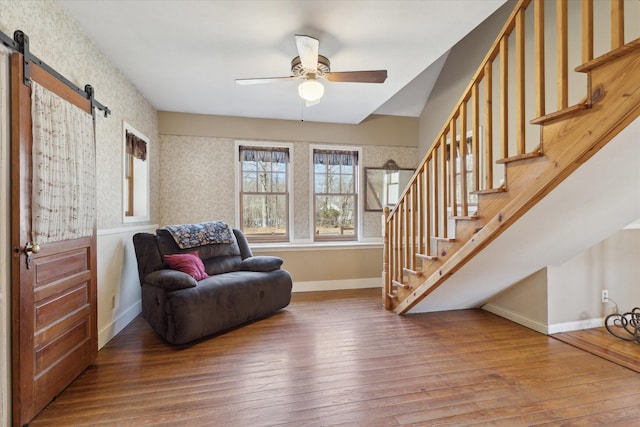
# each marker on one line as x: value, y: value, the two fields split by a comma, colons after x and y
x: 439, y: 188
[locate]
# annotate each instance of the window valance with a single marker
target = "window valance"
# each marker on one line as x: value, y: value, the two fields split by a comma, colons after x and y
x: 136, y: 147
x: 335, y: 157
x: 264, y: 154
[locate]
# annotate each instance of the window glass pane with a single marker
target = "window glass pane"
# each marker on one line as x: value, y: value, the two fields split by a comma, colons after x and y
x: 264, y: 214
x: 333, y: 183
x: 346, y: 169
x: 335, y: 215
x: 279, y: 167
x: 278, y: 183
x: 249, y: 166
x: 264, y: 166
x: 319, y: 168
x: 347, y: 184
x: 264, y: 182
x: 249, y: 182
x: 320, y: 183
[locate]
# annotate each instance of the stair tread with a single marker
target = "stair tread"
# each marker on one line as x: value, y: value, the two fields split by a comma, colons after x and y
x: 559, y: 114
x: 427, y: 257
x: 444, y: 239
x: 400, y: 284
x: 532, y: 155
x: 501, y: 189
x: 603, y: 59
x: 465, y: 217
x: 417, y: 273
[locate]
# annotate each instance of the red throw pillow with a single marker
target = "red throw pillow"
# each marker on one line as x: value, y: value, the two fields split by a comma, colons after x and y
x: 189, y: 263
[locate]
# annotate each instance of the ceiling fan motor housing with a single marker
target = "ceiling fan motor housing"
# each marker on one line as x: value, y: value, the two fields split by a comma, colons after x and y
x: 324, y: 66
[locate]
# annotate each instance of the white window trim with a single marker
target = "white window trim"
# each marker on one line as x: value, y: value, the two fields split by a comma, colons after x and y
x: 141, y: 218
x: 359, y: 184
x: 236, y: 171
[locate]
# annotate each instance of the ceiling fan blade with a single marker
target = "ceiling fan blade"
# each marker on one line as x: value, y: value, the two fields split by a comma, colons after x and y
x: 308, y: 50
x: 373, y: 76
x: 264, y: 80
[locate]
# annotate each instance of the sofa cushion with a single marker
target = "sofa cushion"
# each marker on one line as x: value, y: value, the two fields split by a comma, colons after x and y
x: 189, y: 263
x: 222, y: 264
x: 167, y: 245
x: 217, y: 258
x: 261, y: 263
x: 170, y: 280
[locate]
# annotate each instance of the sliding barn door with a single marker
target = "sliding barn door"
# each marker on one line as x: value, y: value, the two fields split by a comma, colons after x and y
x: 54, y: 326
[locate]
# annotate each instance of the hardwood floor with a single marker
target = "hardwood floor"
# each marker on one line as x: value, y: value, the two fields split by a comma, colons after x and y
x: 601, y: 343
x: 339, y: 358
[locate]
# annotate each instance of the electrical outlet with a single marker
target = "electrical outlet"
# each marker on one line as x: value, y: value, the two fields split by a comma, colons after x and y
x: 605, y: 295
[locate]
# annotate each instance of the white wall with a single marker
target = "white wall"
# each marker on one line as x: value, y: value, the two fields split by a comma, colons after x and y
x: 525, y: 302
x: 119, y: 285
x: 567, y: 296
x: 575, y: 287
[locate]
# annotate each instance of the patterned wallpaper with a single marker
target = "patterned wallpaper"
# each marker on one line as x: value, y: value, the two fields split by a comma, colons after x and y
x: 197, y: 181
x: 56, y: 39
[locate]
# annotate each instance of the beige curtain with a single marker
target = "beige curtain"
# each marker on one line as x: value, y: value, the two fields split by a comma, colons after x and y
x: 64, y: 181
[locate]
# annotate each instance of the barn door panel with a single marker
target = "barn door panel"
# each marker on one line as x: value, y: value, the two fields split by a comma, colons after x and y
x: 54, y: 306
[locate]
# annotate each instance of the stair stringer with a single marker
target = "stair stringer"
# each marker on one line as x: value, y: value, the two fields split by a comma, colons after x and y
x: 568, y: 142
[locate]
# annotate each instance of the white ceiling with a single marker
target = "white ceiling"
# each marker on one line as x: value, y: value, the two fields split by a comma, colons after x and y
x: 184, y: 55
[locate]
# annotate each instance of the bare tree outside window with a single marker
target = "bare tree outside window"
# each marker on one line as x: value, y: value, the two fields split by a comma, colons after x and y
x: 264, y: 195
x: 335, y: 199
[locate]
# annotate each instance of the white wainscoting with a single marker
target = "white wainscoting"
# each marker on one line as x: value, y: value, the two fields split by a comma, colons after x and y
x: 118, y: 283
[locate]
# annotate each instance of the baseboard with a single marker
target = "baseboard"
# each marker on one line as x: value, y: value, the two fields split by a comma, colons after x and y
x: 333, y: 285
x: 517, y: 318
x: 118, y: 324
x: 578, y: 325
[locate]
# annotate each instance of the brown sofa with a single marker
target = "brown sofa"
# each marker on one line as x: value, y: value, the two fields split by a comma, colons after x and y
x: 240, y: 287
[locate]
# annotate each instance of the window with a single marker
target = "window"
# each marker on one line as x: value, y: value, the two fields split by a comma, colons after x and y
x: 264, y: 193
x: 136, y: 175
x: 335, y: 202
x: 469, y: 165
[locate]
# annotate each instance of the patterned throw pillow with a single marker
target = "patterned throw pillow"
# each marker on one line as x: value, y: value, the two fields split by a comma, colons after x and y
x: 189, y: 263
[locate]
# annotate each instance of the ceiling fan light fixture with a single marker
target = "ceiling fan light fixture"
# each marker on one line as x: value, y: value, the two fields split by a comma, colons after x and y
x: 311, y: 90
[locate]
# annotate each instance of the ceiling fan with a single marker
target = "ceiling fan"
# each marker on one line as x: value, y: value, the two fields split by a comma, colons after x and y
x: 312, y: 68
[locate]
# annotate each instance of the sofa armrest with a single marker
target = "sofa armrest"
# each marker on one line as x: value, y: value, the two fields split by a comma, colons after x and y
x: 261, y: 263
x: 171, y: 280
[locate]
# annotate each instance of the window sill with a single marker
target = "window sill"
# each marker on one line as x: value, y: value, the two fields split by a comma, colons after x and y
x: 314, y: 246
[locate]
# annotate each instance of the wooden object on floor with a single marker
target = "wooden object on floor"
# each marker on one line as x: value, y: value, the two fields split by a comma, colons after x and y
x: 339, y: 358
x: 601, y: 343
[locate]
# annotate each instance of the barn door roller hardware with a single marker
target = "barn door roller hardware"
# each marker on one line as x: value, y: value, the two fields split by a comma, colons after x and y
x: 20, y: 43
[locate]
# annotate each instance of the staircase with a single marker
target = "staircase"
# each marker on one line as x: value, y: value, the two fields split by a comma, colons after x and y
x: 456, y: 209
